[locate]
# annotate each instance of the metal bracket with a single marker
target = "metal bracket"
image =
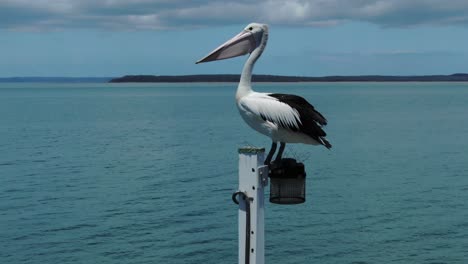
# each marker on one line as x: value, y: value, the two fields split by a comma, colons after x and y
x: 263, y: 173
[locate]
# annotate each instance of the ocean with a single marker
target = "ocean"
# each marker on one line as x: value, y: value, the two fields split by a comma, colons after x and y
x: 144, y: 173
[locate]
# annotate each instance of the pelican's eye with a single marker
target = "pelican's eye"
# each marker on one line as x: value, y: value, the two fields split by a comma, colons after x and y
x: 250, y: 28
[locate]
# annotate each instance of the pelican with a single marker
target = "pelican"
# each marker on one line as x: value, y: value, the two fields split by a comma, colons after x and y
x: 285, y: 118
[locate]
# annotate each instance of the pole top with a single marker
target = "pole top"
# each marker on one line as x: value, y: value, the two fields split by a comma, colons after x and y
x: 251, y: 150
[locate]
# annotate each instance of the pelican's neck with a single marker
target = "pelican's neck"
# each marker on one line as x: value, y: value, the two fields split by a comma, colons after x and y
x: 245, y: 84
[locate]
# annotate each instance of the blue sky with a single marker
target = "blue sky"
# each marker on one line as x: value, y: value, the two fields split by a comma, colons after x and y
x: 165, y: 37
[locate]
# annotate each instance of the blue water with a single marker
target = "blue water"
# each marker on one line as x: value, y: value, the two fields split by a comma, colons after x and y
x: 127, y: 173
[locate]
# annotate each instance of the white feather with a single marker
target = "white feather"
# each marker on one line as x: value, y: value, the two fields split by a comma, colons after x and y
x: 260, y: 104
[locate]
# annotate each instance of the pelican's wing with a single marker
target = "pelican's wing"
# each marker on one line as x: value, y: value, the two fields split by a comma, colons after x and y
x: 301, y: 105
x: 270, y: 109
x: 288, y: 111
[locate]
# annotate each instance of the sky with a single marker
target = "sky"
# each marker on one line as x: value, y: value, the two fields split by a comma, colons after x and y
x: 78, y: 38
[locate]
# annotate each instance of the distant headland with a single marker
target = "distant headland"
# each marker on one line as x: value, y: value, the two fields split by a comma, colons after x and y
x: 457, y: 77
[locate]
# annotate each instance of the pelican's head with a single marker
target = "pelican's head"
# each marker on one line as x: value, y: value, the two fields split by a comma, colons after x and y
x: 253, y: 36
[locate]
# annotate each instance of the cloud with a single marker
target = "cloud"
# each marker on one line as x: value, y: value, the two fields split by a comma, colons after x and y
x: 168, y: 14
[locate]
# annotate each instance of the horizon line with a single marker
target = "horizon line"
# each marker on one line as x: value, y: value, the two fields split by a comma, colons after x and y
x: 225, y: 74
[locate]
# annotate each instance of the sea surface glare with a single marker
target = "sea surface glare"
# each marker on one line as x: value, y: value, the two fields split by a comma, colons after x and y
x: 143, y: 173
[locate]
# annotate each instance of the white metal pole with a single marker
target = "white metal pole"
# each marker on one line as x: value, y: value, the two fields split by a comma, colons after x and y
x: 253, y: 177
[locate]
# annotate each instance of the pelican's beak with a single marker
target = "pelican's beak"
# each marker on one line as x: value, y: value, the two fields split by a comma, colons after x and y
x: 239, y: 45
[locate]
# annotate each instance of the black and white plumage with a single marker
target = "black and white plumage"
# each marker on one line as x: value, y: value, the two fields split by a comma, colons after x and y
x: 285, y: 118
x: 309, y: 120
